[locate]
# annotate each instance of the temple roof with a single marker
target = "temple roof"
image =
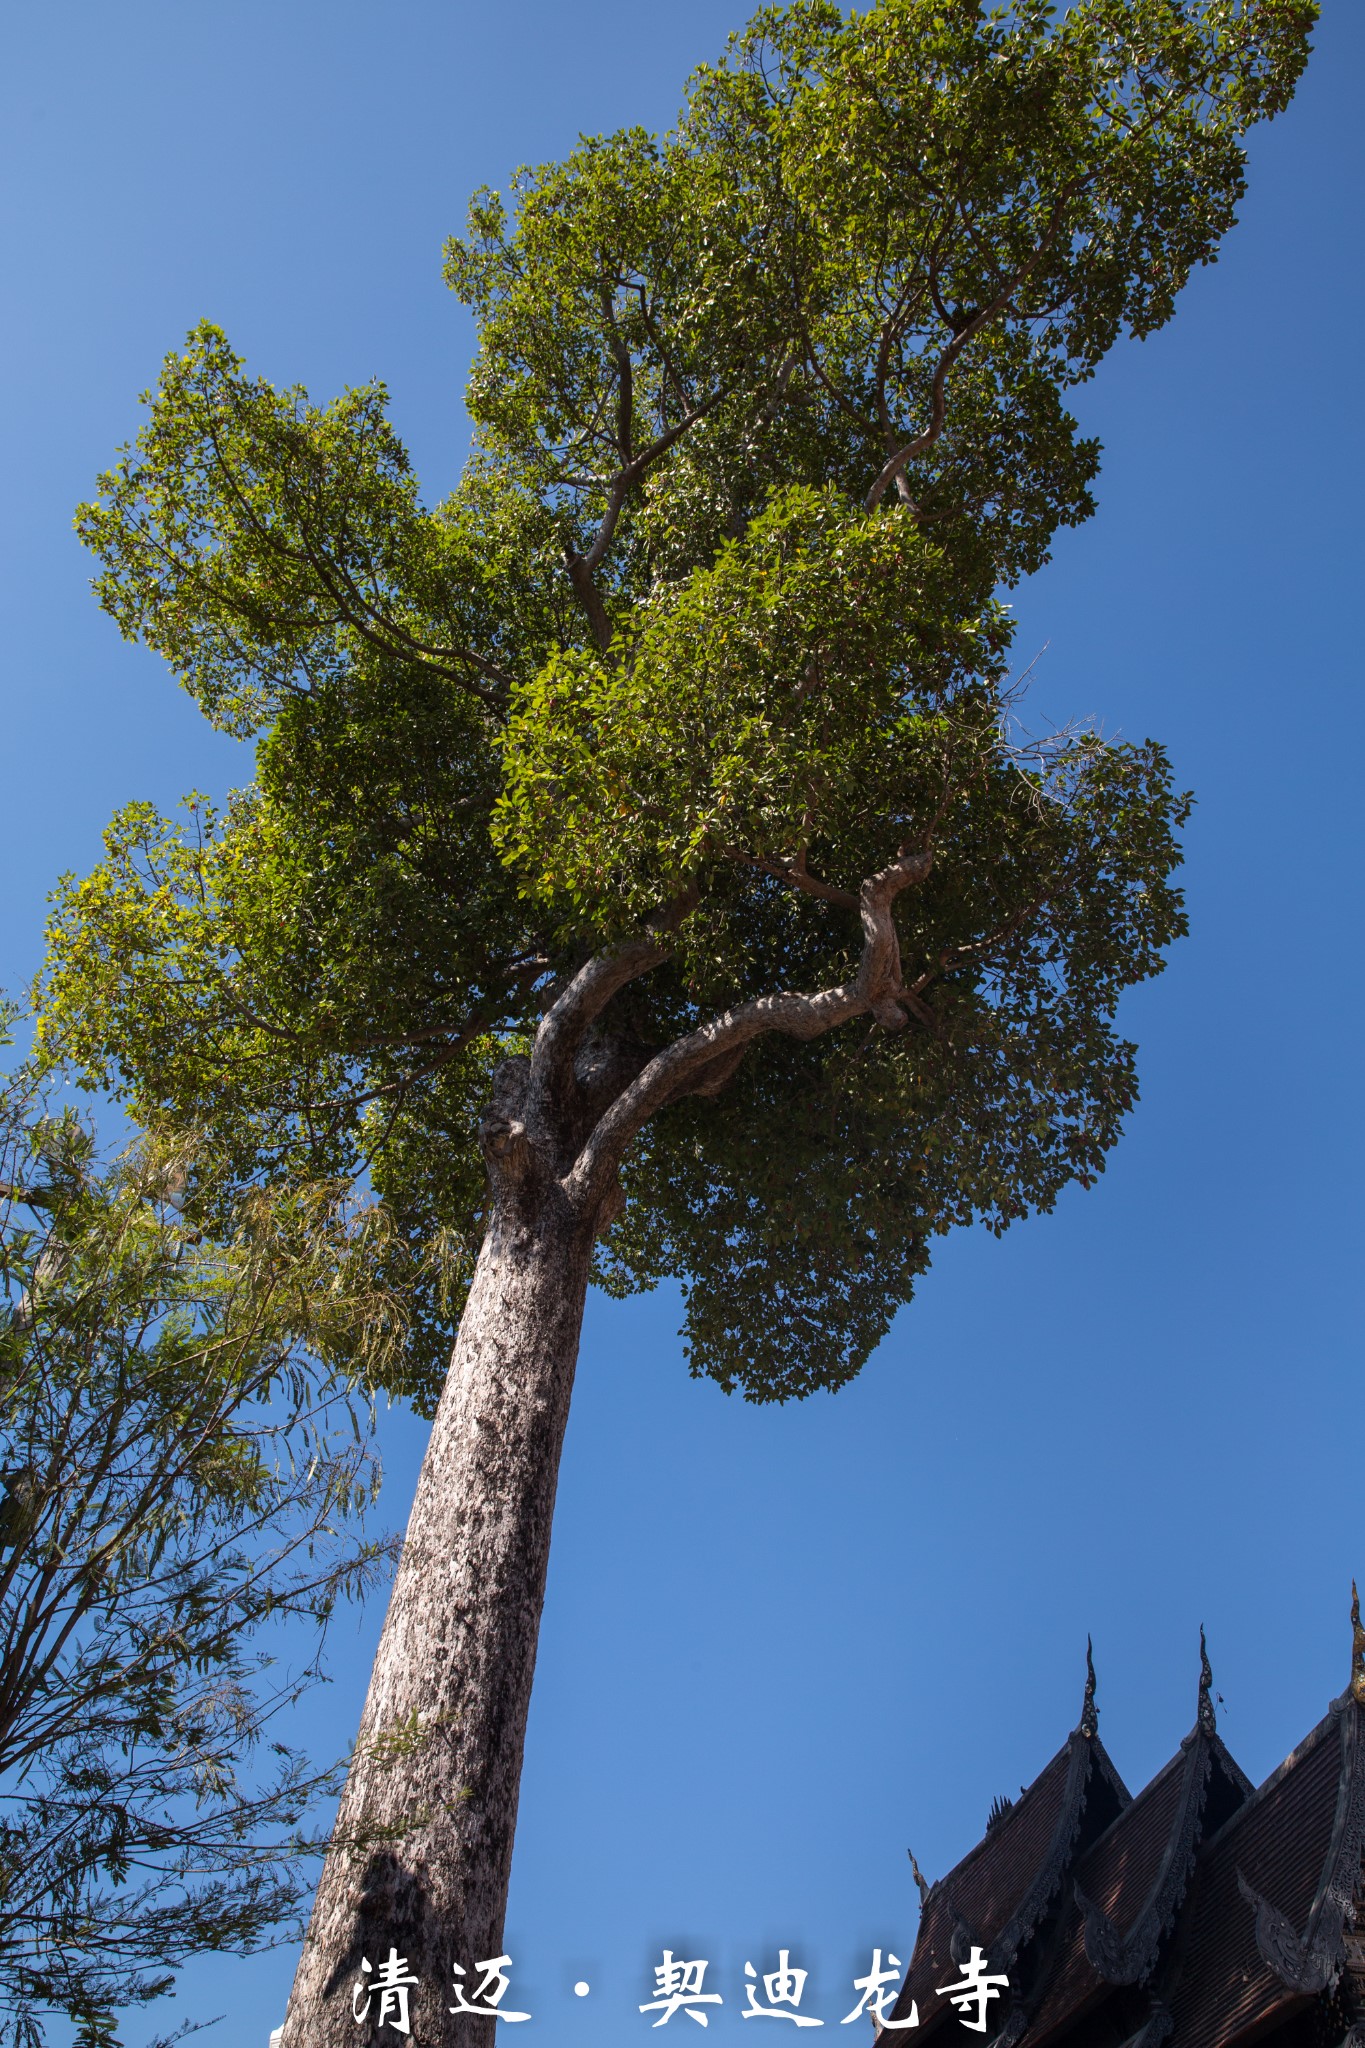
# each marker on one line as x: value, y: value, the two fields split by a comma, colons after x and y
x: 1273, y: 1889
x: 1200, y: 1913
x: 1127, y: 1890
x: 1004, y: 1889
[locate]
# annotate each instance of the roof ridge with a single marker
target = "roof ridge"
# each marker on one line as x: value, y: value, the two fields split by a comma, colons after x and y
x: 1296, y: 1756
x: 1007, y: 1821
x: 1087, y: 1753
x: 1131, y: 1956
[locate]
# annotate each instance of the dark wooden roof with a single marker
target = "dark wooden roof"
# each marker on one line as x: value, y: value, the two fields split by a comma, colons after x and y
x: 1003, y: 1891
x: 1272, y: 1892
x: 1201, y: 1913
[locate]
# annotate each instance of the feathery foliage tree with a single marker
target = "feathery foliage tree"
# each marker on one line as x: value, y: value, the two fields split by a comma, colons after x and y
x: 645, y: 872
x: 181, y: 1469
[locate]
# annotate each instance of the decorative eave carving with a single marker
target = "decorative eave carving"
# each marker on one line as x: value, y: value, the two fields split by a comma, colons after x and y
x: 1333, y: 1907
x: 963, y: 1939
x: 1312, y: 1962
x: 1207, y: 1720
x: 1086, y: 1756
x: 1119, y: 1958
x: 1131, y: 1958
x: 1158, y: 2028
x: 1090, y: 1713
x: 1294, y: 1962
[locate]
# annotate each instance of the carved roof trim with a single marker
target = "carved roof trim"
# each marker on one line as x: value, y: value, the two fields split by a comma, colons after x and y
x: 1131, y: 1958
x: 1296, y: 1962
x: 1325, y: 1727
x: 1310, y: 1962
x: 1205, y: 1716
x: 1232, y: 1769
x: 1153, y: 2031
x: 1341, y: 1870
x: 1087, y: 1755
x: 1090, y: 1713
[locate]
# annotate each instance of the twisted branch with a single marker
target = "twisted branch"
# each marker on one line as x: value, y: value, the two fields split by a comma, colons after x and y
x: 714, y: 1049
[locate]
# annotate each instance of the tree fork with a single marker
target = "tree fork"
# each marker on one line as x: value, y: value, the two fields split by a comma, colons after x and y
x: 422, y: 1849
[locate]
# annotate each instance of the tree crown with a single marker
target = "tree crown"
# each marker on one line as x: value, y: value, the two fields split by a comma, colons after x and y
x: 694, y: 694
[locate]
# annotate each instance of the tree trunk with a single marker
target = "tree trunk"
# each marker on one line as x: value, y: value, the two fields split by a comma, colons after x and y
x: 430, y: 1805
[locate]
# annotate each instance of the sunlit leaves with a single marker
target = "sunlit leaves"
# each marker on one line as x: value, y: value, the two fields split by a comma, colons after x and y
x: 263, y: 545
x: 805, y: 1213
x: 767, y: 412
x: 751, y: 713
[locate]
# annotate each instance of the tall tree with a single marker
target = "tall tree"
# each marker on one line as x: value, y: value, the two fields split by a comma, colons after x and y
x: 647, y: 872
x: 180, y: 1471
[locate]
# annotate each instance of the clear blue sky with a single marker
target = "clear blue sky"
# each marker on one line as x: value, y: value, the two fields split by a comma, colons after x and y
x: 781, y: 1645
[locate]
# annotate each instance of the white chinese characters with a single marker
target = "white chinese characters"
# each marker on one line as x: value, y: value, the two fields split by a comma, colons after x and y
x: 976, y: 1989
x: 782, y: 1988
x: 879, y: 1992
x: 382, y: 1995
x: 678, y: 1988
x: 487, y: 2000
x: 392, y: 1982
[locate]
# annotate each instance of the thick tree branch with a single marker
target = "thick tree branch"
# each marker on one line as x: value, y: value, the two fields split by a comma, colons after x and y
x: 625, y: 372
x: 797, y: 875
x: 368, y: 619
x: 587, y: 593
x: 578, y: 1006
x: 587, y: 995
x: 582, y: 568
x: 893, y: 468
x: 704, y: 1053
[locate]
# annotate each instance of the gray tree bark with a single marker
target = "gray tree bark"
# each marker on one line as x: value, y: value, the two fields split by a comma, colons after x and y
x: 422, y: 1848
x: 423, y: 1843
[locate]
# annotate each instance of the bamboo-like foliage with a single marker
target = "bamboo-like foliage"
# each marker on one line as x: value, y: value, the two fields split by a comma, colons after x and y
x: 184, y: 1476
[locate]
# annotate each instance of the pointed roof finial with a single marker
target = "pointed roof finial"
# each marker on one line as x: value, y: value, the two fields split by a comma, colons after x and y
x: 919, y: 1878
x: 1208, y: 1720
x: 1090, y: 1713
x: 1357, y: 1650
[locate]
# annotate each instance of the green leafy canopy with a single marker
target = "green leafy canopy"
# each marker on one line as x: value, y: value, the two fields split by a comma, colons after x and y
x: 767, y: 413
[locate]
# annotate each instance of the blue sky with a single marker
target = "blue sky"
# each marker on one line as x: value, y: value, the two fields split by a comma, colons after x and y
x: 781, y: 1645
